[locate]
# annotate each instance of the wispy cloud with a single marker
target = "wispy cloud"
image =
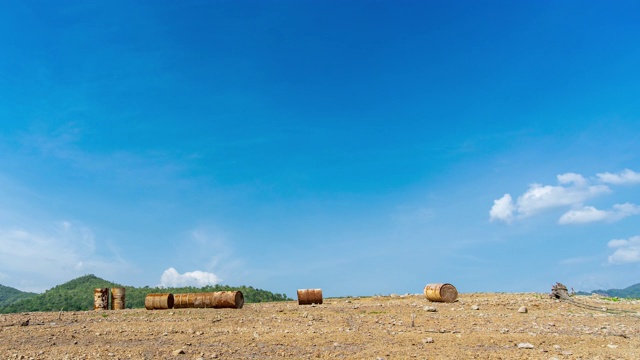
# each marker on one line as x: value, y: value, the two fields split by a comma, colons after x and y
x: 589, y: 214
x: 210, y: 246
x: 407, y: 215
x: 626, y: 251
x: 66, y: 145
x: 60, y: 252
x: 624, y: 177
x: 572, y: 190
x: 207, y: 249
x: 577, y: 260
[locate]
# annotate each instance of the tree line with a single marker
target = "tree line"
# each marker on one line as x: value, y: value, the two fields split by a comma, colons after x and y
x: 77, y: 295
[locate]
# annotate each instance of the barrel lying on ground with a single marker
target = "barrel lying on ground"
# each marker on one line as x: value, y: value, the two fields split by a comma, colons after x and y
x: 441, y: 292
x: 101, y: 299
x: 158, y: 301
x: 216, y: 300
x: 309, y: 296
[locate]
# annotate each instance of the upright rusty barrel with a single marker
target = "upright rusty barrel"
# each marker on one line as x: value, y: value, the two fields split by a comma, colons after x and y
x: 309, y: 296
x: 158, y: 301
x: 441, y: 292
x: 117, y: 298
x: 101, y: 299
x: 216, y: 300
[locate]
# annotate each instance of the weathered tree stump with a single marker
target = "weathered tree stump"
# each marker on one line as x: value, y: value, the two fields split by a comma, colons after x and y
x: 559, y: 291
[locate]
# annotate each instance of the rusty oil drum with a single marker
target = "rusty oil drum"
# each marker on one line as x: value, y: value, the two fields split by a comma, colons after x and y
x: 441, y: 292
x: 101, y: 299
x: 309, y: 296
x: 117, y: 298
x: 215, y: 300
x: 158, y: 301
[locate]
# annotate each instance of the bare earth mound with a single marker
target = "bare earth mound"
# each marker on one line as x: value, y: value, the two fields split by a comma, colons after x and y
x: 482, y: 326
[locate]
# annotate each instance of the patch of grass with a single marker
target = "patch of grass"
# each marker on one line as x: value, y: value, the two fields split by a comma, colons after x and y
x: 614, y: 299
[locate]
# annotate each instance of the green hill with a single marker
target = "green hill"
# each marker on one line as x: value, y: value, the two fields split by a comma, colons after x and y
x: 632, y: 291
x: 77, y: 295
x: 9, y: 295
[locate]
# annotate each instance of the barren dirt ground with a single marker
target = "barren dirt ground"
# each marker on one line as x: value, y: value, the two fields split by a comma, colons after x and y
x: 478, y: 326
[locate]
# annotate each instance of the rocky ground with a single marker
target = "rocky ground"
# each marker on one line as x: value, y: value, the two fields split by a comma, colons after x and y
x: 477, y: 326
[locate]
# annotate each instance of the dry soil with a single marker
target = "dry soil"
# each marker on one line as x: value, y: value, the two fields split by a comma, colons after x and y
x: 477, y: 326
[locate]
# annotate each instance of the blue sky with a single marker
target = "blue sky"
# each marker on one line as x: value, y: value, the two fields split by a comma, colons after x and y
x: 361, y: 147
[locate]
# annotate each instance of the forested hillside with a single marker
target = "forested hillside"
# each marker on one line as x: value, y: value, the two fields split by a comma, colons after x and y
x: 77, y: 295
x: 632, y: 291
x: 9, y: 295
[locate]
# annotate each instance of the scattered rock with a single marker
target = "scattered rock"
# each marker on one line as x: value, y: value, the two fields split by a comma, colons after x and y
x: 475, y: 307
x: 285, y: 330
x: 523, y: 310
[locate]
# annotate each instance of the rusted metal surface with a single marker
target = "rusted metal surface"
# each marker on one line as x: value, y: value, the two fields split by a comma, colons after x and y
x: 309, y: 296
x: 181, y: 301
x: 101, y: 299
x: 216, y: 300
x: 441, y: 292
x: 158, y: 301
x: 117, y: 298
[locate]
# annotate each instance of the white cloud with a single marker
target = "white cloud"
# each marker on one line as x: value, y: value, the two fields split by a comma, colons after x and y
x: 589, y: 214
x: 627, y: 251
x: 407, y: 215
x: 624, y: 177
x: 584, y: 215
x: 502, y: 209
x: 572, y: 178
x: 573, y: 189
x: 171, y: 278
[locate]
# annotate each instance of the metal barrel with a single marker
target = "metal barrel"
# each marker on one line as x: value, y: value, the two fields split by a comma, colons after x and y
x: 216, y: 300
x: 101, y: 299
x: 441, y: 292
x: 158, y: 301
x: 181, y: 301
x: 117, y: 299
x: 309, y: 296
